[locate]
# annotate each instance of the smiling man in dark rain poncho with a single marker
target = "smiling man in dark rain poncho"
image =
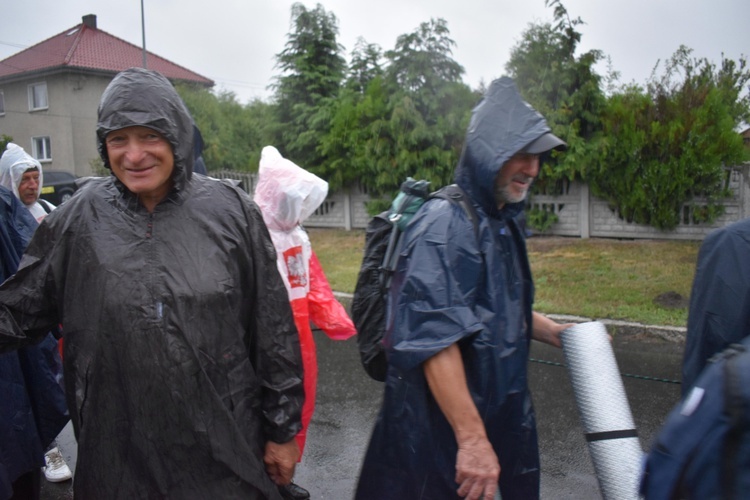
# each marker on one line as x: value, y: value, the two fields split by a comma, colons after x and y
x: 457, y: 419
x: 182, y: 363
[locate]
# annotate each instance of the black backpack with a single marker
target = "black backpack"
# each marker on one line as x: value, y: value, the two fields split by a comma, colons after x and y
x: 382, y: 244
x: 703, y: 449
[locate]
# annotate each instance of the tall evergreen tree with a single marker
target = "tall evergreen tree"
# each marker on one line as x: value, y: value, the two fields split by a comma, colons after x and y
x: 428, y: 108
x: 312, y: 72
x: 423, y: 59
x: 365, y: 65
x: 408, y: 120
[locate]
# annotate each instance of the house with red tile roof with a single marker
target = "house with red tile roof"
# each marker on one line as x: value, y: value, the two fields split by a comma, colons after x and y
x: 49, y: 92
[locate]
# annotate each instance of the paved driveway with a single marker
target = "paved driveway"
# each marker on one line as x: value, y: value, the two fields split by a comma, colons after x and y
x: 348, y: 402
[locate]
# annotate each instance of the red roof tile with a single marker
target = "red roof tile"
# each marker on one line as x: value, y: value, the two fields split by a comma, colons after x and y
x: 88, y: 48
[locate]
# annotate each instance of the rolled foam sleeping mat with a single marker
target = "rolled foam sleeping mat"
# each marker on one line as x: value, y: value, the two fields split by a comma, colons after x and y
x: 604, y: 410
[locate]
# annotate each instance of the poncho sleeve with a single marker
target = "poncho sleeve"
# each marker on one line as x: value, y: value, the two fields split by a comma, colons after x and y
x: 28, y: 308
x: 325, y: 311
x: 433, y: 294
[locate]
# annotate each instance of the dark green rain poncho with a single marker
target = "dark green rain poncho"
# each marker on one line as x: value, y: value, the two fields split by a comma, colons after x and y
x: 181, y: 355
x: 454, y: 286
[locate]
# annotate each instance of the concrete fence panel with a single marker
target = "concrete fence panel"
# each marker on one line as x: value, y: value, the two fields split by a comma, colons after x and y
x: 579, y: 213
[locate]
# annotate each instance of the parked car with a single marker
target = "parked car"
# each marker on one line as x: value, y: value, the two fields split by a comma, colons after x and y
x: 58, y: 186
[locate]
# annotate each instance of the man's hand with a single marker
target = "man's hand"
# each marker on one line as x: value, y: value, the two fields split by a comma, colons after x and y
x: 280, y: 460
x: 477, y: 469
x: 545, y: 330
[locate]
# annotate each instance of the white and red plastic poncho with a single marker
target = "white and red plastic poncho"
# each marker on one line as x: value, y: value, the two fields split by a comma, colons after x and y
x: 287, y: 195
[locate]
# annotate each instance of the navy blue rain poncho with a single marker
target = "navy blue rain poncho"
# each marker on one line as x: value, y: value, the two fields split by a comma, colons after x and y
x: 453, y: 286
x: 720, y: 298
x: 181, y: 354
x: 32, y: 400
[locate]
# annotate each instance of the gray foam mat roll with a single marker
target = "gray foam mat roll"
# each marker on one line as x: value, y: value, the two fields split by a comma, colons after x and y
x: 604, y: 410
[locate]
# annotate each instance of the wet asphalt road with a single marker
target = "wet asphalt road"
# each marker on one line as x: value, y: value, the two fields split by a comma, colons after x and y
x: 348, y: 401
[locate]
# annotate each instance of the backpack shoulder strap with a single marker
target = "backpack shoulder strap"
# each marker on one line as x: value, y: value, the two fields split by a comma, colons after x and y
x: 45, y: 205
x: 455, y: 194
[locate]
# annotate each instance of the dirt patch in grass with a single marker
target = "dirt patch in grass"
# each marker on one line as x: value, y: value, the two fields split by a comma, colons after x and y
x: 671, y: 300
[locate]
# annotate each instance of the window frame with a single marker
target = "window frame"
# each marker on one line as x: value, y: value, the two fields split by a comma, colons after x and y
x: 31, y: 96
x: 2, y: 103
x: 46, y: 143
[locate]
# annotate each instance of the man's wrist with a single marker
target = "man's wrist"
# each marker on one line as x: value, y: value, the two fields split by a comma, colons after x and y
x: 470, y: 435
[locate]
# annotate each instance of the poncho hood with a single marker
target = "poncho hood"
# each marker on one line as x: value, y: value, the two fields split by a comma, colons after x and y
x: 146, y: 98
x: 13, y: 164
x: 501, y: 125
x: 286, y: 193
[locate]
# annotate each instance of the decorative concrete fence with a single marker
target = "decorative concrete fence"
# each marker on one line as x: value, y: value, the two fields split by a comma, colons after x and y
x: 343, y: 209
x: 583, y: 215
x: 579, y: 213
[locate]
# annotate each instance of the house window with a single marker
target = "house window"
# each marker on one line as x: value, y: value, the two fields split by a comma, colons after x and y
x: 38, y: 96
x: 2, y: 103
x: 40, y: 148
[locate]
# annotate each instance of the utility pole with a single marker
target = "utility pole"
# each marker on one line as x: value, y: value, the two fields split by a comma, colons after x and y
x: 143, y: 32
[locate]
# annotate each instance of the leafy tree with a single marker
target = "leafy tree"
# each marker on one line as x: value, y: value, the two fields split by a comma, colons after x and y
x: 563, y: 87
x: 345, y: 146
x: 668, y: 145
x: 408, y: 120
x: 402, y: 144
x: 427, y: 108
x: 424, y: 145
x: 233, y: 134
x: 365, y: 65
x: 312, y: 72
x: 422, y: 59
x: 350, y: 113
x: 646, y: 152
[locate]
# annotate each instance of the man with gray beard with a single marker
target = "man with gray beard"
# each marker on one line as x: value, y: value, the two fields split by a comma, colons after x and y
x: 457, y: 419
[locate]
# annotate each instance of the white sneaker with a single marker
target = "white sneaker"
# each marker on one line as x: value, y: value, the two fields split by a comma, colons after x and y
x: 56, y: 470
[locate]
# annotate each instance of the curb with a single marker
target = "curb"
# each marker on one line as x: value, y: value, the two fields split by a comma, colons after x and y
x: 667, y: 333
x: 674, y: 334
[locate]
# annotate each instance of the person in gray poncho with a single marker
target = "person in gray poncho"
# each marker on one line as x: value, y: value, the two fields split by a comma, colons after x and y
x: 182, y: 364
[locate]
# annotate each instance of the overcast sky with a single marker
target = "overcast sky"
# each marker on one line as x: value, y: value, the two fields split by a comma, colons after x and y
x: 234, y: 42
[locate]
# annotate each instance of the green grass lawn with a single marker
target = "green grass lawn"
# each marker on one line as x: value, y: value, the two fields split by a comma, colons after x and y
x: 596, y: 278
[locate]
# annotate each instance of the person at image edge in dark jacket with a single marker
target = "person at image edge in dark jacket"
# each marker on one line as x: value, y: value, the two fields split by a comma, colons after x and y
x: 182, y: 365
x: 32, y: 400
x: 457, y: 419
x: 719, y: 312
